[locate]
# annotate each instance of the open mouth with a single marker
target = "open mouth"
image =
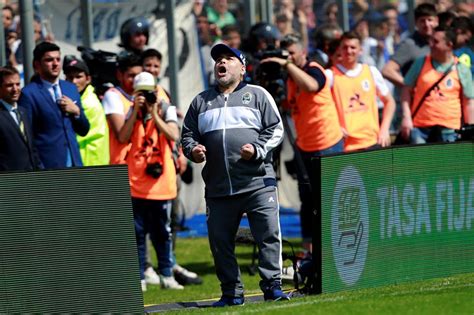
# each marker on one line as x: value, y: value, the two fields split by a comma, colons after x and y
x: 221, y: 70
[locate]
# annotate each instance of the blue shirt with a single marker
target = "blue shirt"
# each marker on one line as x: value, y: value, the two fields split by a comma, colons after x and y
x: 10, y: 109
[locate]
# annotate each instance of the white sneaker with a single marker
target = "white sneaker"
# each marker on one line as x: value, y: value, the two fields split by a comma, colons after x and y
x: 170, y: 283
x: 151, y: 277
x: 177, y: 268
x: 287, y: 274
x: 143, y: 283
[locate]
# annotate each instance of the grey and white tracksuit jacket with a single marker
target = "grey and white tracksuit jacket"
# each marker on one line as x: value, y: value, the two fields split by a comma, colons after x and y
x: 223, y: 124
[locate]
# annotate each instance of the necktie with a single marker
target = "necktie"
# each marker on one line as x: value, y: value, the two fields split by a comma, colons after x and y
x: 21, y: 125
x: 57, y: 92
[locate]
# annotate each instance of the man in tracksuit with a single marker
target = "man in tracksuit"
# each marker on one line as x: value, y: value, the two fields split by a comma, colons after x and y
x: 234, y: 127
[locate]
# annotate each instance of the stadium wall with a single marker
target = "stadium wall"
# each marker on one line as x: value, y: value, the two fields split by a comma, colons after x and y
x: 394, y: 215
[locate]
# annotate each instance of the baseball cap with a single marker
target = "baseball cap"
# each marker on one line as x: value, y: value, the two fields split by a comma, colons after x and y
x: 221, y: 49
x: 72, y: 63
x: 144, y: 81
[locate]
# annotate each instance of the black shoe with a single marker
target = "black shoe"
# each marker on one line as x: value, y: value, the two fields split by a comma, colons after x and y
x: 184, y: 276
x: 229, y: 301
x: 275, y: 294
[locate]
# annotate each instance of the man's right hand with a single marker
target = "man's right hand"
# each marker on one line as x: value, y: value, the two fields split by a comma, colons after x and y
x: 406, y: 127
x: 199, y: 153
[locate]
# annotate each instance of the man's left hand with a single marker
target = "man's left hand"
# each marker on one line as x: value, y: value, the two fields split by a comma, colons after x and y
x: 247, y: 151
x: 68, y: 106
x: 277, y: 60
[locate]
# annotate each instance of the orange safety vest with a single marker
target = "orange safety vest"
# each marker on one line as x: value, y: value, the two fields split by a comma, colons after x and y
x: 442, y: 107
x: 118, y: 151
x: 150, y: 147
x: 315, y: 116
x: 357, y: 108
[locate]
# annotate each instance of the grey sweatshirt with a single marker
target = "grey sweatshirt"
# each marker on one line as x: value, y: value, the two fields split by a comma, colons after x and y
x: 223, y: 124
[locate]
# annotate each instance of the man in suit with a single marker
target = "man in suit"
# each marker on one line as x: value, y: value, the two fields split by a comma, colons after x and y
x: 54, y: 110
x: 16, y: 149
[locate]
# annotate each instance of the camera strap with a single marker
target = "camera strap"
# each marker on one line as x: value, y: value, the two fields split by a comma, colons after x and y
x: 428, y: 91
x: 149, y: 144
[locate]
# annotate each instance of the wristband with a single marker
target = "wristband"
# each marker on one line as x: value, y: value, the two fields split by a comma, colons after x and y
x: 287, y: 63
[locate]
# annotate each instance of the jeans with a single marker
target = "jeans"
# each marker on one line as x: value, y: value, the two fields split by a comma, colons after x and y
x: 153, y: 217
x: 305, y: 191
x: 432, y: 134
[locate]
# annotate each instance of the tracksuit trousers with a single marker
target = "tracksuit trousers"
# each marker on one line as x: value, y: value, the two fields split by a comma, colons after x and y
x: 223, y: 219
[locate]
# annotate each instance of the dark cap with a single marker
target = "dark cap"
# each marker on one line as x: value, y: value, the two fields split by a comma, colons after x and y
x: 221, y: 49
x: 71, y: 64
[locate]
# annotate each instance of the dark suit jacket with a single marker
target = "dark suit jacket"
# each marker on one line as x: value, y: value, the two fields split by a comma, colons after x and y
x: 53, y: 132
x: 16, y: 153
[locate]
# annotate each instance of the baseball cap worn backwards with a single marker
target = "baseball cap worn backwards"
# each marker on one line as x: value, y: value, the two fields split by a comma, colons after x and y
x: 144, y: 81
x: 221, y: 49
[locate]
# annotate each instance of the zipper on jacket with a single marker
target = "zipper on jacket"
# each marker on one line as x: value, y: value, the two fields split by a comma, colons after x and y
x: 226, y: 160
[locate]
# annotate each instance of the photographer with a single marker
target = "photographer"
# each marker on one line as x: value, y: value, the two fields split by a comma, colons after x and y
x: 152, y: 173
x: 438, y: 93
x: 315, y: 116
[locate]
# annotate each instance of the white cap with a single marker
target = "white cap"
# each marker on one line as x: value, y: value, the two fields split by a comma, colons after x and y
x: 144, y: 81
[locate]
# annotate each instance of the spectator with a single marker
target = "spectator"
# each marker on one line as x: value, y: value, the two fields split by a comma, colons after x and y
x: 7, y: 16
x: 134, y: 35
x: 219, y: 14
x: 464, y: 28
x: 206, y: 41
x: 10, y: 34
x: 198, y: 7
x: 442, y: 93
x: 324, y: 36
x: 316, y: 121
x: 17, y: 151
x: 262, y: 37
x: 117, y: 101
x: 355, y: 88
x: 152, y: 174
x: 368, y: 43
x: 94, y: 147
x: 234, y: 127
x: 446, y: 18
x: 54, y: 110
x: 284, y: 24
x: 17, y: 45
x: 393, y: 39
x: 305, y: 8
x: 414, y: 46
x: 151, y: 61
x: 330, y: 12
x: 231, y: 36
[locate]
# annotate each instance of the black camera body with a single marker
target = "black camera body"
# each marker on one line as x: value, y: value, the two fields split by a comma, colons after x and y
x: 154, y: 170
x: 150, y: 96
x: 466, y: 133
x: 102, y: 65
x: 271, y: 71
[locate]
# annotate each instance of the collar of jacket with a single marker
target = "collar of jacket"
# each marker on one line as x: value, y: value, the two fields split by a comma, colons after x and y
x: 240, y: 86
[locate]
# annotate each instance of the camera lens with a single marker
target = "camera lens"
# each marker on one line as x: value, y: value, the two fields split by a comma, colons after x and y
x: 150, y: 97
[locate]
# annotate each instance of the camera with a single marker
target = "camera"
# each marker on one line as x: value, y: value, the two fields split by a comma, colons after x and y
x: 154, y: 170
x: 150, y: 96
x: 271, y: 71
x: 466, y: 133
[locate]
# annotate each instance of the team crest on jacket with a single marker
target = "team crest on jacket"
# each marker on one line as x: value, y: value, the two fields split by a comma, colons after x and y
x: 449, y: 83
x: 365, y: 85
x: 246, y: 98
